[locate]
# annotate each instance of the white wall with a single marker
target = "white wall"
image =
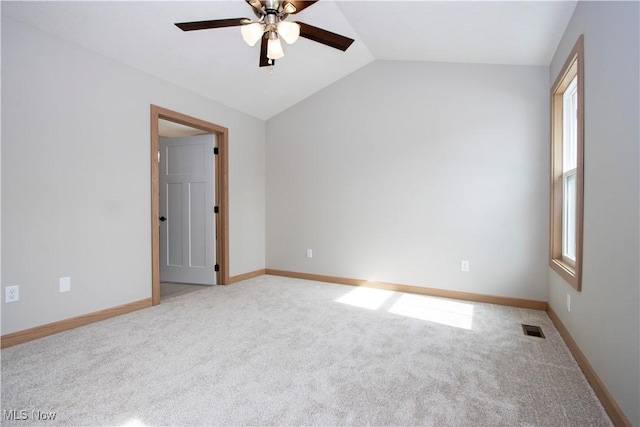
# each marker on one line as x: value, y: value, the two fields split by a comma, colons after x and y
x: 402, y: 169
x: 604, y: 319
x: 76, y: 177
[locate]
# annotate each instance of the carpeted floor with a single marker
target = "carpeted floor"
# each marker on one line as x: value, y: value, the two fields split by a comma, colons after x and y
x: 279, y: 351
x: 170, y: 290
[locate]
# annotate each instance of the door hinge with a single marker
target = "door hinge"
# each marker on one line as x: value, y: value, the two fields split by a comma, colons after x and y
x: 215, y: 150
x: 216, y: 209
x: 158, y: 156
x: 217, y: 267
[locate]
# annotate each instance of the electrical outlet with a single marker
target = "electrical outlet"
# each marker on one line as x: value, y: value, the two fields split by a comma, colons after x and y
x: 309, y: 253
x: 65, y: 284
x: 464, y: 265
x: 568, y: 302
x: 11, y: 293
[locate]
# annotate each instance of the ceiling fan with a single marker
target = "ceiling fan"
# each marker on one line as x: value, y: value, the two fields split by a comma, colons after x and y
x: 271, y: 25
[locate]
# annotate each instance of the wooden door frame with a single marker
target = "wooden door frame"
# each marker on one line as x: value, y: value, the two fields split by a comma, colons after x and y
x: 221, y: 196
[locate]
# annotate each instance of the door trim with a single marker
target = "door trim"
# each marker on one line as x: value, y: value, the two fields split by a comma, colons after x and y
x: 221, y: 196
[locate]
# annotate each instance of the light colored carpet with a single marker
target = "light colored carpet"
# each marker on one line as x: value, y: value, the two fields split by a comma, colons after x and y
x: 279, y: 351
x: 170, y: 290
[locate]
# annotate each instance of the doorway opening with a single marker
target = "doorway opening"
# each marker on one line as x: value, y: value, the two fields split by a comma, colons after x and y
x: 164, y: 121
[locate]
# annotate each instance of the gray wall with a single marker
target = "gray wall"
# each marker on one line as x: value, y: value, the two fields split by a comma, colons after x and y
x: 76, y: 177
x: 604, y: 317
x: 402, y: 169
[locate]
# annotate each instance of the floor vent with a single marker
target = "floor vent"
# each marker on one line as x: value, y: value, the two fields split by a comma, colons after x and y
x: 532, y: 331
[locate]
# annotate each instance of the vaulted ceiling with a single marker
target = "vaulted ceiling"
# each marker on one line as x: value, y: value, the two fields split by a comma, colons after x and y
x: 217, y: 64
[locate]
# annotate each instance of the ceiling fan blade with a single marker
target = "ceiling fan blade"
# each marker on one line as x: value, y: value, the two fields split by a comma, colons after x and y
x: 325, y: 37
x: 215, y: 23
x: 299, y: 4
x: 264, y: 60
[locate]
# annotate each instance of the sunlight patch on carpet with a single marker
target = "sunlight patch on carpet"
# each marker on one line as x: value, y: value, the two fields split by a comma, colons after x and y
x: 134, y: 422
x: 430, y: 309
x: 438, y: 310
x: 368, y: 298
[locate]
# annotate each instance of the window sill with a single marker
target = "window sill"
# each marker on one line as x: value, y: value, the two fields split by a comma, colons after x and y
x: 566, y: 271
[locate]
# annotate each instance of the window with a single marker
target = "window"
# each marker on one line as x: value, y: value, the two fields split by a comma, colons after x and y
x: 567, y: 182
x: 569, y: 167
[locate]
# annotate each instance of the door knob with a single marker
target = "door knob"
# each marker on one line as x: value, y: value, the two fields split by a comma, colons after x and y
x: 163, y: 219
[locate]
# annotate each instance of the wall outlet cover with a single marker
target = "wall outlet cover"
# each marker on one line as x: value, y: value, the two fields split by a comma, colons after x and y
x: 65, y: 284
x: 11, y: 293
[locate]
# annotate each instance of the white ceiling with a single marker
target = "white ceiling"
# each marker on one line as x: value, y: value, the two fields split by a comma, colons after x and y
x: 217, y: 64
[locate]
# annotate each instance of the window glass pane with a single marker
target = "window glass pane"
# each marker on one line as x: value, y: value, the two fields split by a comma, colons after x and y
x: 570, y: 126
x: 569, y: 217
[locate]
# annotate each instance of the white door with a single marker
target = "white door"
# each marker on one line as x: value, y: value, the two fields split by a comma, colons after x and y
x: 187, y: 218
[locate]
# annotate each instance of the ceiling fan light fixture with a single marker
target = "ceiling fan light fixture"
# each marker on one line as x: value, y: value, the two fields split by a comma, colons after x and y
x: 289, y: 8
x: 274, y: 48
x: 270, y: 25
x: 251, y: 33
x: 289, y: 31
